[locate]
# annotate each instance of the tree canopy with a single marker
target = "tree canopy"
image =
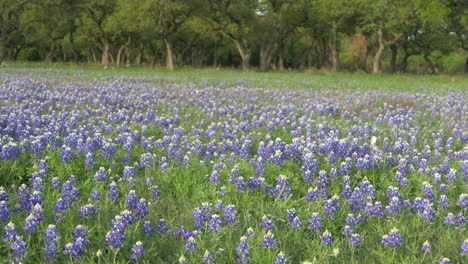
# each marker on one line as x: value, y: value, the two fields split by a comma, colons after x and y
x: 353, y: 35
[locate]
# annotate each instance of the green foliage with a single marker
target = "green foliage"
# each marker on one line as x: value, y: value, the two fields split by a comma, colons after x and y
x: 279, y: 33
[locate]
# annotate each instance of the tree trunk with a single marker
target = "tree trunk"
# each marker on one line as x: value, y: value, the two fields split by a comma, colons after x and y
x: 394, y: 49
x: 466, y: 65
x: 215, y: 55
x: 16, y: 52
x: 266, y: 56
x: 382, y: 45
x: 378, y: 54
x: 50, y: 55
x: 2, y: 46
x: 139, y: 54
x: 76, y: 56
x: 121, y: 49
x: 429, y: 62
x: 105, y: 53
x: 244, y: 52
x: 93, y: 54
x: 335, y: 61
x: 404, y: 62
x: 169, y: 54
x: 280, y: 60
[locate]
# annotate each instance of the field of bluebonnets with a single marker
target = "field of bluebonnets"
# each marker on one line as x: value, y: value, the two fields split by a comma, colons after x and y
x: 102, y: 168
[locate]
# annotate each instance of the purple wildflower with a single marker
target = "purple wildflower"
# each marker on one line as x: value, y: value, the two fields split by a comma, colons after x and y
x: 138, y: 251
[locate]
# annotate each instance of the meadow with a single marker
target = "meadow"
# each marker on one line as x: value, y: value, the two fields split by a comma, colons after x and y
x: 142, y: 165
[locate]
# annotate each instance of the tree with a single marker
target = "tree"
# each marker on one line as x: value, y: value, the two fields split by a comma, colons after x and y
x: 10, y: 11
x: 236, y: 20
x: 168, y: 17
x: 387, y: 20
x: 98, y: 12
x: 457, y: 23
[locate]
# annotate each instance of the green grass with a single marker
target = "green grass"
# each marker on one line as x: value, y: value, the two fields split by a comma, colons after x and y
x: 269, y: 80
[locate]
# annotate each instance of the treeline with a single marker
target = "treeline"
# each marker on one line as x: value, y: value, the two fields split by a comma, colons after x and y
x: 354, y: 35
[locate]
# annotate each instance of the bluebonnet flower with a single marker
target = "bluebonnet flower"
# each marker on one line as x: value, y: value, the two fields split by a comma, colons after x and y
x: 113, y: 192
x: 282, y: 189
x: 69, y: 191
x: 155, y: 193
x: 149, y: 181
x: 428, y: 191
x: 296, y: 223
x: 147, y: 229
x: 312, y: 194
x: 240, y: 184
x: 56, y: 183
x: 128, y: 172
x: 347, y: 231
x: 267, y: 223
x: 89, y: 161
x: 191, y: 244
x: 327, y: 238
x: 95, y: 196
x: 4, y: 211
x: 426, y: 247
x: 132, y: 200
x: 443, y: 202
x: 208, y: 257
x: 269, y: 240
x: 199, y: 218
x: 332, y: 206
x: 19, y: 248
x: 464, y: 248
x: 242, y: 250
x: 219, y: 205
x: 291, y: 214
x: 66, y: 154
x: 126, y: 217
x: 250, y: 232
x: 116, y: 236
x: 146, y: 160
x: 10, y: 151
x: 315, y: 223
x: 281, y: 258
x: 308, y: 177
x: 445, y: 261
x: 461, y: 220
x: 322, y: 183
x: 61, y: 206
x: 164, y: 163
x: 36, y: 198
x: 463, y: 201
x: 223, y: 191
x: 215, y: 177
x: 448, y: 220
x: 34, y: 219
x: 23, y: 197
x: 138, y: 251
x: 101, y: 175
x: 215, y: 223
x: 443, y: 188
x: 141, y: 209
x: 355, y: 240
x: 452, y: 176
x: 230, y: 214
x: 392, y: 239
x: 10, y: 232
x: 162, y: 227
x: 87, y: 210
